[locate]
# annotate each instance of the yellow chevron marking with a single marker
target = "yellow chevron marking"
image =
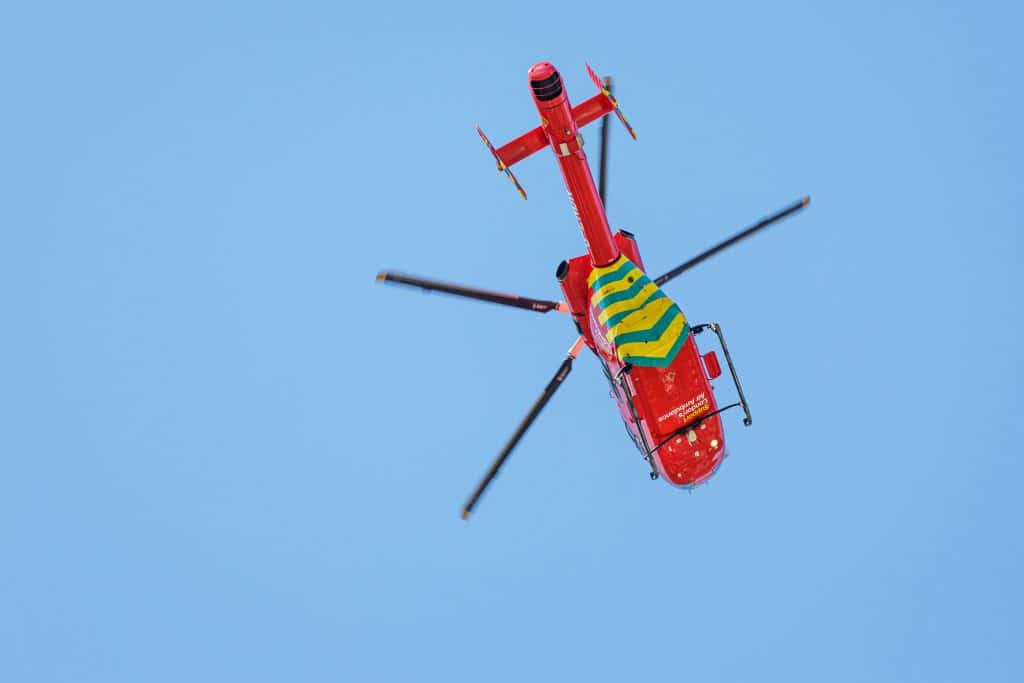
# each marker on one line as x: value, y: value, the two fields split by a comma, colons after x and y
x: 644, y: 319
x: 619, y: 285
x: 655, y: 349
x: 640, y: 314
x: 598, y: 271
x: 628, y: 304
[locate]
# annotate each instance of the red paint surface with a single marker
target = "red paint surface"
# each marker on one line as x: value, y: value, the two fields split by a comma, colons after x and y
x: 562, y: 133
x: 664, y: 399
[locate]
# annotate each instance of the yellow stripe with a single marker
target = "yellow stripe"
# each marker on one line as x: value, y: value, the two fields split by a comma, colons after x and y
x: 628, y: 304
x: 644, y: 319
x: 604, y: 270
x: 655, y: 349
x: 617, y: 286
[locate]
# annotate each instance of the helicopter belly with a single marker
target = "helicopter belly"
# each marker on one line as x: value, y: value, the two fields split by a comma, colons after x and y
x: 677, y: 410
x: 672, y: 417
x: 664, y: 392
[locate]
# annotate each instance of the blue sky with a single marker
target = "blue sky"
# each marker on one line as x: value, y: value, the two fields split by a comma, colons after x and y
x: 227, y: 454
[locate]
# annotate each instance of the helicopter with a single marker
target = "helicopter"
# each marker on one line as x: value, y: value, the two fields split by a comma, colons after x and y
x: 660, y: 381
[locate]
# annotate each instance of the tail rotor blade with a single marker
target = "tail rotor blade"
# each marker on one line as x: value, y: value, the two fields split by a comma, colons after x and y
x: 501, y: 164
x: 563, y: 371
x: 611, y: 98
x: 539, y: 305
x: 760, y: 225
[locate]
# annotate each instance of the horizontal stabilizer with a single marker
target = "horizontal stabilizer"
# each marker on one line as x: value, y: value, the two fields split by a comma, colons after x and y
x: 523, y: 146
x: 535, y: 140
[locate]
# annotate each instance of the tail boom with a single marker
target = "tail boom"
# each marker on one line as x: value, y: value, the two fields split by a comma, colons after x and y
x: 561, y: 129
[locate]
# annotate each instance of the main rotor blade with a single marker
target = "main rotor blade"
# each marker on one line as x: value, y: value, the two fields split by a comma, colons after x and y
x: 539, y: 305
x: 760, y: 225
x: 563, y: 371
x: 602, y: 176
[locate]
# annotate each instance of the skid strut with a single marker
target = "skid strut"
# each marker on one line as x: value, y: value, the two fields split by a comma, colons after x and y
x: 648, y: 453
x: 732, y: 368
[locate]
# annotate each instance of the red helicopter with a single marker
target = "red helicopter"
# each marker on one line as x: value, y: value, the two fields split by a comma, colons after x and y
x: 645, y: 345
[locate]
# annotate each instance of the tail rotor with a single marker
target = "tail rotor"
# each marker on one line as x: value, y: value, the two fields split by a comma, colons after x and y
x: 605, y: 88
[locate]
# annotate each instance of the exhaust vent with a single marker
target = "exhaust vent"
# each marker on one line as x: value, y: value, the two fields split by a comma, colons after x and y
x: 548, y: 88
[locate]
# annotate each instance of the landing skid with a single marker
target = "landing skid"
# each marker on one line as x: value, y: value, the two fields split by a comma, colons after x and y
x: 714, y: 327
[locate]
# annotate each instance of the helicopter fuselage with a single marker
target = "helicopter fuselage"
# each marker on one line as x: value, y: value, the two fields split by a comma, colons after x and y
x: 658, y: 378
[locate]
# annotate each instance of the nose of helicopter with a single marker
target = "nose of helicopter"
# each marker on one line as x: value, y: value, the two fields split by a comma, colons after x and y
x: 691, y: 459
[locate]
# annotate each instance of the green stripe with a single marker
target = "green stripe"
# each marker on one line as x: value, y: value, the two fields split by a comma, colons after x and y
x: 652, y: 334
x: 625, y: 294
x: 651, y: 362
x: 617, y: 274
x: 618, y: 317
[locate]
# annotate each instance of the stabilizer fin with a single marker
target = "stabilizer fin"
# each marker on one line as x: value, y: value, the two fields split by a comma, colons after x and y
x: 502, y: 166
x: 611, y: 98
